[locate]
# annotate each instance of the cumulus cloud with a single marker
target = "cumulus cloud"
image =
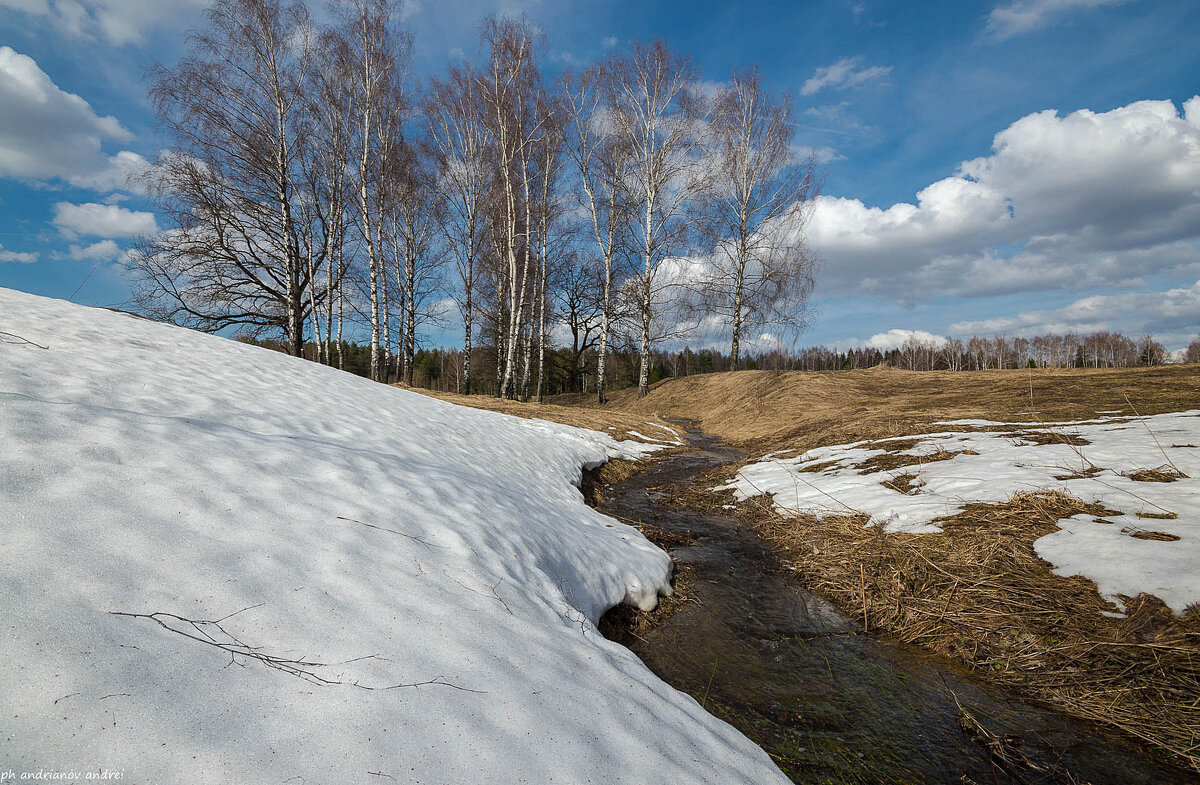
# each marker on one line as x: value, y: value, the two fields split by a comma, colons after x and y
x: 101, y: 220
x: 1071, y: 202
x: 894, y: 339
x: 17, y: 256
x: 844, y: 74
x: 47, y: 133
x: 117, y: 22
x: 1021, y: 16
x: 103, y: 251
x: 1173, y: 316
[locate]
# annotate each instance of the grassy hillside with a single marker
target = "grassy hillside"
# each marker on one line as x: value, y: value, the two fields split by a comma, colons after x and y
x: 764, y: 410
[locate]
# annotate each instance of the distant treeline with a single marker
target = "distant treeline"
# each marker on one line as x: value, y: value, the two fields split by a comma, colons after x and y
x: 572, y: 370
x: 1096, y: 350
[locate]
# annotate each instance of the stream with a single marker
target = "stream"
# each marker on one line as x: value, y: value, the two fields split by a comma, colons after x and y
x: 828, y: 702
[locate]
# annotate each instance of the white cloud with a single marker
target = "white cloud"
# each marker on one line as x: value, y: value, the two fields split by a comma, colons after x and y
x: 893, y: 339
x: 610, y: 41
x: 1022, y: 16
x: 47, y: 133
x: 101, y: 220
x: 844, y: 74
x: 1172, y: 316
x: 17, y: 256
x: 103, y: 251
x: 822, y: 155
x: 1082, y: 201
x: 117, y: 22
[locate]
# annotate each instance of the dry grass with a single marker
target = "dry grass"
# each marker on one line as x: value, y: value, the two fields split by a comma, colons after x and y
x: 1051, y: 437
x: 907, y: 484
x: 1160, y: 474
x: 765, y: 411
x: 894, y: 460
x: 616, y: 422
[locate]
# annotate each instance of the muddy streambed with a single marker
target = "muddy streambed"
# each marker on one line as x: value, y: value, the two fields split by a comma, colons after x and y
x: 829, y: 703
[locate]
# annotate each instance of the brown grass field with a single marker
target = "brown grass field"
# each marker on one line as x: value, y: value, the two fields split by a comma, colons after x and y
x: 763, y: 411
x: 976, y: 592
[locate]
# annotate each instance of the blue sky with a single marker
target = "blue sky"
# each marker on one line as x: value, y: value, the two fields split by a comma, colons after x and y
x: 1008, y: 166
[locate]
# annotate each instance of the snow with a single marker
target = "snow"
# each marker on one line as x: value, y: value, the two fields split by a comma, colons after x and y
x: 367, y: 537
x: 991, y: 467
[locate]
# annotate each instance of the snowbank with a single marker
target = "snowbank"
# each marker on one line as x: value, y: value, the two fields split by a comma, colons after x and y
x: 297, y: 547
x: 1092, y: 460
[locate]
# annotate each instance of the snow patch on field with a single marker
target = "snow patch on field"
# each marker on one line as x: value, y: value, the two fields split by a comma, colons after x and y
x: 1150, y: 544
x: 298, y: 548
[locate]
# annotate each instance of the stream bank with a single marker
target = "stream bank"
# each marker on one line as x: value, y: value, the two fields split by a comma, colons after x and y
x: 829, y: 703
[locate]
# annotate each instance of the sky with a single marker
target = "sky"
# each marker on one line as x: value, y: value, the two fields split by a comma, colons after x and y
x: 996, y: 167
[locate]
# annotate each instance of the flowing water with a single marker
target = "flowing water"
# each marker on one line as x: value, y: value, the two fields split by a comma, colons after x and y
x: 829, y: 703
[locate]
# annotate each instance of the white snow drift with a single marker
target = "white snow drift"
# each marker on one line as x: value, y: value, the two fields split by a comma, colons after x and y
x: 302, y: 545
x: 992, y: 466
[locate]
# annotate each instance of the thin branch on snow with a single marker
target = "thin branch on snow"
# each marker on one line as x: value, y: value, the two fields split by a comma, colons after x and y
x: 212, y: 633
x: 18, y: 340
x: 426, y: 543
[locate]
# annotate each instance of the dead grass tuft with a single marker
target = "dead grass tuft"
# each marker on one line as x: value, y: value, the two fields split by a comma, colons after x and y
x: 889, y: 460
x: 1161, y: 474
x: 908, y: 484
x: 1142, y: 534
x: 1080, y: 474
x: 1163, y: 516
x: 1051, y: 437
x: 624, y: 623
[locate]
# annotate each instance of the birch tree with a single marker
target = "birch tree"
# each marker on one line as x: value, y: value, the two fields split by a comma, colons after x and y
x: 373, y: 53
x: 601, y: 161
x: 658, y: 117
x: 231, y: 255
x: 508, y: 88
x: 414, y: 210
x: 461, y: 140
x: 759, y: 201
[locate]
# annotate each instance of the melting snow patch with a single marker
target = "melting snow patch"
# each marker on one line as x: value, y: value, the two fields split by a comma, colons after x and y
x: 324, y: 578
x: 1150, y: 544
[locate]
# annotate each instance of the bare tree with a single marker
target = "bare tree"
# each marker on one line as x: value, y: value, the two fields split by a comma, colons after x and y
x: 510, y: 87
x: 231, y: 256
x: 1192, y: 353
x: 658, y: 117
x: 601, y: 162
x: 323, y: 163
x: 760, y: 199
x: 580, y: 299
x: 462, y: 141
x: 373, y: 54
x: 414, y: 211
